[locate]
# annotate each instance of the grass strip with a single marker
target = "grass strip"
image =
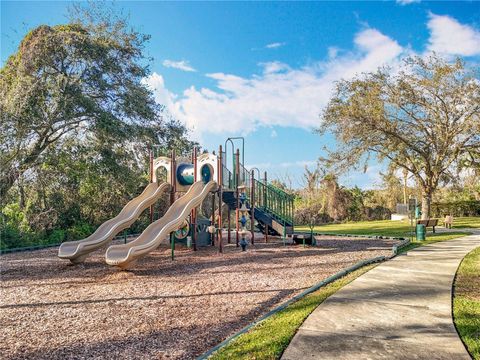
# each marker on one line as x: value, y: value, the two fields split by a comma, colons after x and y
x: 466, y: 302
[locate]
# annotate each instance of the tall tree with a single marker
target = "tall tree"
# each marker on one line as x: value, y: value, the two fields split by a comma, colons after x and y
x: 83, y: 79
x: 424, y: 118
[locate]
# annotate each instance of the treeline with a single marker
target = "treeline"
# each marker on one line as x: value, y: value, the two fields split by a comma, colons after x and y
x: 324, y: 200
x: 77, y: 120
x: 75, y: 188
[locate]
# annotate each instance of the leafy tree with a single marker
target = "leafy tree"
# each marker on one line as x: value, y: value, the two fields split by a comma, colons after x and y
x: 424, y: 118
x: 356, y: 208
x: 82, y: 80
x: 76, y: 122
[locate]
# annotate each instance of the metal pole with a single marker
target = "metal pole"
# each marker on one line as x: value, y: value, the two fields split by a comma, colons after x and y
x: 243, y: 147
x: 213, y: 218
x: 252, y: 207
x: 173, y: 178
x: 172, y: 245
x: 220, y: 198
x: 265, y: 203
x: 233, y: 153
x: 237, y: 181
x: 258, y: 171
x: 151, y: 180
x: 228, y: 226
x: 194, y: 211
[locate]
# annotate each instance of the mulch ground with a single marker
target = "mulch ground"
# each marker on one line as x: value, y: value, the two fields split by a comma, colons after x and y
x: 160, y: 309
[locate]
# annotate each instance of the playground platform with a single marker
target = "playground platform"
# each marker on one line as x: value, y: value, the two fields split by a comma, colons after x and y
x: 399, y: 310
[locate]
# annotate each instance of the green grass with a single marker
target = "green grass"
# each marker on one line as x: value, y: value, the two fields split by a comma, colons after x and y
x: 466, y: 302
x: 384, y: 227
x: 394, y: 229
x: 466, y: 222
x: 270, y: 338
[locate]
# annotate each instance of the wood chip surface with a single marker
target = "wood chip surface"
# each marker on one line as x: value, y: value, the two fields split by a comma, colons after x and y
x: 160, y: 309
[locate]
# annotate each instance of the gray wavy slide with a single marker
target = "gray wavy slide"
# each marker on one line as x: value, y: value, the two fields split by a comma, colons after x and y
x: 125, y: 255
x: 77, y: 251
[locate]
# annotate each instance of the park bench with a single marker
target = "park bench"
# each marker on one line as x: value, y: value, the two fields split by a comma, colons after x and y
x: 428, y: 223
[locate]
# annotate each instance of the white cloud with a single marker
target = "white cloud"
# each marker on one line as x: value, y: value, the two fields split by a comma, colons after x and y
x: 273, y: 134
x: 280, y: 95
x: 162, y: 96
x: 407, y: 2
x: 300, y: 163
x: 448, y: 36
x: 333, y: 52
x: 274, y: 67
x: 180, y: 65
x: 275, y: 45
x: 283, y: 165
x: 369, y: 179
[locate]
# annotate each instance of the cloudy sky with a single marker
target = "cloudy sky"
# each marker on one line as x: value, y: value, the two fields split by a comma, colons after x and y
x: 266, y: 70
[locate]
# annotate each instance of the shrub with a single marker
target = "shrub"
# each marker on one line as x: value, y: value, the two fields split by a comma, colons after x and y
x: 79, y: 231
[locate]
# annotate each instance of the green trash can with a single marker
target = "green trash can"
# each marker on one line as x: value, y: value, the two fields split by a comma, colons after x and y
x: 420, y: 232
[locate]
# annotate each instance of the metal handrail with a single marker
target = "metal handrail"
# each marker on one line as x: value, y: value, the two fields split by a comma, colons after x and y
x: 227, y: 178
x: 274, y: 201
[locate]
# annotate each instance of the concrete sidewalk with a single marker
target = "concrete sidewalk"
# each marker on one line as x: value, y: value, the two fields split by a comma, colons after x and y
x: 399, y: 310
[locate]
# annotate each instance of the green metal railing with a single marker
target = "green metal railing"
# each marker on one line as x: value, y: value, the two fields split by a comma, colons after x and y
x: 227, y: 179
x: 274, y: 201
x: 268, y: 198
x: 245, y: 177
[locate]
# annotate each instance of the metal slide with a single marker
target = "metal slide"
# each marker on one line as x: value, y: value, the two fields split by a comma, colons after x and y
x: 126, y: 254
x: 77, y: 251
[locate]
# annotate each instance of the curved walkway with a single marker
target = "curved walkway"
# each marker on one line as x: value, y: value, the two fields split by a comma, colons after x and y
x: 399, y: 310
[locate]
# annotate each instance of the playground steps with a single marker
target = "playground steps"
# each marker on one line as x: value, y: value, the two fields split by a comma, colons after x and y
x: 275, y: 225
x: 229, y: 197
x: 264, y: 216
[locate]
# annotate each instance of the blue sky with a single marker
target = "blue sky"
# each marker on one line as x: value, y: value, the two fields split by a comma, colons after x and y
x: 266, y: 70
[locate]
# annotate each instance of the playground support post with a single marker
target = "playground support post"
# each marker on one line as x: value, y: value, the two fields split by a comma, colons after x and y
x: 213, y: 219
x: 173, y: 179
x: 193, y: 215
x: 265, y: 203
x: 172, y: 244
x: 220, y: 191
x: 150, y: 154
x: 228, y: 226
x: 252, y: 206
x: 237, y: 183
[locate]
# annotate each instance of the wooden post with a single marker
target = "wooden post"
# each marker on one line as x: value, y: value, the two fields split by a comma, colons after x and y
x: 193, y: 215
x: 252, y: 207
x: 151, y: 180
x: 220, y: 192
x: 237, y: 183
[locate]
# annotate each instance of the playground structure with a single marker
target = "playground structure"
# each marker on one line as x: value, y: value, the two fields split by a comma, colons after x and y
x: 252, y: 199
